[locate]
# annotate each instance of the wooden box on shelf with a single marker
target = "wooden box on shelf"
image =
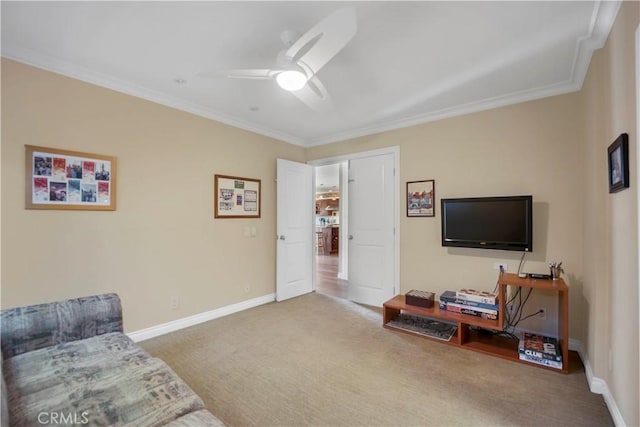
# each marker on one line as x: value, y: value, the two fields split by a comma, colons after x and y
x: 420, y: 298
x: 478, y: 334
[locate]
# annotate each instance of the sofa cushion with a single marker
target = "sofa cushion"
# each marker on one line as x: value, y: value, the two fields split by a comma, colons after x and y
x: 105, y: 380
x: 201, y: 418
x: 4, y: 418
x: 74, y: 363
x: 29, y: 328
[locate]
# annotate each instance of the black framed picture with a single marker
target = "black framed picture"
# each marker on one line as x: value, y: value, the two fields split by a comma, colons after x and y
x: 421, y: 198
x: 618, y: 154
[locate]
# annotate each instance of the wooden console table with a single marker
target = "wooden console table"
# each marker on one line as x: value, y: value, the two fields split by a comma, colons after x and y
x: 476, y: 340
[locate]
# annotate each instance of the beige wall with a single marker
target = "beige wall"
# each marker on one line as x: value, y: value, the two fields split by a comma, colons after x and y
x: 611, y: 249
x: 163, y: 240
x: 531, y: 148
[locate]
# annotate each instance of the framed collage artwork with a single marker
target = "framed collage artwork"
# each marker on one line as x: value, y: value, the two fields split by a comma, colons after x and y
x: 69, y: 180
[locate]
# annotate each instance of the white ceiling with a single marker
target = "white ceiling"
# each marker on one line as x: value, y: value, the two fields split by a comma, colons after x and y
x: 409, y: 62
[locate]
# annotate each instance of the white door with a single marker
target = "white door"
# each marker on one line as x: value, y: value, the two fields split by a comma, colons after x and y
x: 295, y: 214
x: 371, y: 229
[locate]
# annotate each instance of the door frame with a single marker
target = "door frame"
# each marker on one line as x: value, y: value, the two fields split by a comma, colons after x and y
x: 638, y: 156
x: 395, y: 151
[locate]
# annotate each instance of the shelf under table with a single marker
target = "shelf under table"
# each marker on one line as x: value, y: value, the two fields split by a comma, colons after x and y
x: 398, y: 303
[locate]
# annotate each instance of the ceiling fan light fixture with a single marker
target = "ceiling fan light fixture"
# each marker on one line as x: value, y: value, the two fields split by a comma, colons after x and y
x: 291, y: 80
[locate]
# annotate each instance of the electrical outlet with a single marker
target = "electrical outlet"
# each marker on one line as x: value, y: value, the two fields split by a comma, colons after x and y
x: 497, y: 265
x: 174, y: 303
x: 542, y: 313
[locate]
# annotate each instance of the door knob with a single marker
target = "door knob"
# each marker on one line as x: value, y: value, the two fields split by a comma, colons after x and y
x: 282, y: 237
x: 350, y: 237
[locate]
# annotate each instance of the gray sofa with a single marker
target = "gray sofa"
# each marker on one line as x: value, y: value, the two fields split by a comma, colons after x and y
x: 69, y: 363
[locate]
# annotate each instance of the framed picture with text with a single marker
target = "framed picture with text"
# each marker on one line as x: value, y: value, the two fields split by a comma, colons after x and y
x: 69, y: 180
x: 236, y: 197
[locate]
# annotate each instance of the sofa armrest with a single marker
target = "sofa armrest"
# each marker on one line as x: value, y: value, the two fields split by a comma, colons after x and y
x: 29, y: 328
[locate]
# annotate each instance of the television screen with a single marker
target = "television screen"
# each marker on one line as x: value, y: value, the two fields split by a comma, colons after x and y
x: 488, y: 222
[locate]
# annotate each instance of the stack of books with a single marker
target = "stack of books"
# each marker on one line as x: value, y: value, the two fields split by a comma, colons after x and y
x: 540, y: 350
x: 468, y: 301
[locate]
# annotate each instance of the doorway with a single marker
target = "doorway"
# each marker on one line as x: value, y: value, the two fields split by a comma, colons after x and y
x: 367, y: 216
x: 330, y: 201
x: 367, y: 243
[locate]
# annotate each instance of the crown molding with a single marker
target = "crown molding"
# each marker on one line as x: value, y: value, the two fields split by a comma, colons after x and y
x: 603, y: 17
x: 602, y: 20
x: 54, y: 65
x: 458, y: 110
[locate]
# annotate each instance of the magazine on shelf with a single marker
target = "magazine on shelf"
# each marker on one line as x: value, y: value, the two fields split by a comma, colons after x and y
x: 541, y: 361
x: 540, y: 346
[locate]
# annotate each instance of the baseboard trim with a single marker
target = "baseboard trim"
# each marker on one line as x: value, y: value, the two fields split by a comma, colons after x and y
x: 598, y: 385
x: 165, y: 328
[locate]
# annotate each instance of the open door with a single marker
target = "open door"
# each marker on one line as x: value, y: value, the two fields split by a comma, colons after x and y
x: 295, y: 231
x: 372, y: 229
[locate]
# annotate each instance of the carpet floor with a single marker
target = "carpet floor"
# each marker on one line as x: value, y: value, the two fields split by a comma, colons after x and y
x: 316, y: 360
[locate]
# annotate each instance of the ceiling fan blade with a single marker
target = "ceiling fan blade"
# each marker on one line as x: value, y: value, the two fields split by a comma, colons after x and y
x: 251, y: 74
x: 322, y: 42
x: 259, y: 74
x: 314, y: 95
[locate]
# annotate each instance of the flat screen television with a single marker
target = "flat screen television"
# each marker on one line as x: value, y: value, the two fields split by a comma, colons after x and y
x: 488, y: 222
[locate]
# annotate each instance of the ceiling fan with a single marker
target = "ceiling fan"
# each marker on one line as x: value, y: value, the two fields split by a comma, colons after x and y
x: 298, y: 64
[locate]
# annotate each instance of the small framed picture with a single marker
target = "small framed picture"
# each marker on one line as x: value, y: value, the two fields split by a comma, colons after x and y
x: 618, y: 154
x: 236, y: 197
x: 421, y: 196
